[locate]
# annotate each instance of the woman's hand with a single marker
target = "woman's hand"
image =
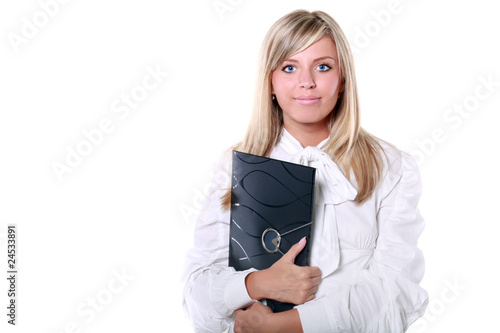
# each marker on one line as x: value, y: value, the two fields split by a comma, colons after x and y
x: 259, y: 318
x: 255, y: 318
x: 284, y: 281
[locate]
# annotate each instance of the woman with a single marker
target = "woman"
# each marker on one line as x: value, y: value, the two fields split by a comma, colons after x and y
x: 365, y: 265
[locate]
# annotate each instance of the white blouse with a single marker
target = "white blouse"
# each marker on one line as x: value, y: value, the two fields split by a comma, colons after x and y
x: 371, y: 266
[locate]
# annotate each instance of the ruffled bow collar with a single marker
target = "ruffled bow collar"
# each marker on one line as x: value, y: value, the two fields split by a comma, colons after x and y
x: 332, y: 188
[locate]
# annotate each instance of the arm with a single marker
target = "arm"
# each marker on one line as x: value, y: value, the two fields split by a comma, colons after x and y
x: 284, y: 281
x: 385, y: 296
x: 259, y: 318
x: 213, y: 291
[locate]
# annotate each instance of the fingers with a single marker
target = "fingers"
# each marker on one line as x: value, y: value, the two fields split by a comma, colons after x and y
x: 316, y: 280
x: 304, y: 295
x: 310, y: 298
x: 295, y: 250
x: 289, y: 283
x: 312, y: 283
x: 252, y: 319
x: 307, y: 273
x: 314, y: 271
x: 304, y: 287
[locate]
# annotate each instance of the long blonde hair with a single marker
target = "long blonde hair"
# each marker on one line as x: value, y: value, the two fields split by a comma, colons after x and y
x: 351, y: 147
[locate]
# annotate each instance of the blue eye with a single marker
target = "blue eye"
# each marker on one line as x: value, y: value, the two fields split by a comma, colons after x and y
x: 288, y: 69
x: 323, y: 68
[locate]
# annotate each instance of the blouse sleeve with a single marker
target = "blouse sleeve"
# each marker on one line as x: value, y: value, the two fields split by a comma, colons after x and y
x: 213, y: 291
x: 386, y: 296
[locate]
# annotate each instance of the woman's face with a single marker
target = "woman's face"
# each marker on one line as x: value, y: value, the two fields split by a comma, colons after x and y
x: 307, y: 85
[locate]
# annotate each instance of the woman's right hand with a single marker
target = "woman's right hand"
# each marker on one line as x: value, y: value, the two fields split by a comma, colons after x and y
x: 284, y: 281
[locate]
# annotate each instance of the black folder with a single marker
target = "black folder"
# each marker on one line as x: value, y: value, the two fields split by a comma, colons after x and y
x: 271, y: 210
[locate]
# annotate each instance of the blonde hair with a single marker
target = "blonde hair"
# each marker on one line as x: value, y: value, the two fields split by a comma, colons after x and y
x: 351, y: 147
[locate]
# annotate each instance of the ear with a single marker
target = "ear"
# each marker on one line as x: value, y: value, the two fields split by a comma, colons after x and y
x: 342, y: 85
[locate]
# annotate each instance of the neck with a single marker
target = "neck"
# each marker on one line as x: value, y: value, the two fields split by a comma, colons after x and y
x: 308, y: 134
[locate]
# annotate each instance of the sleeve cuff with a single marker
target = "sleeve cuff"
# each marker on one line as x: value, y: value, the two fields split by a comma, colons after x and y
x: 236, y: 294
x: 313, y: 315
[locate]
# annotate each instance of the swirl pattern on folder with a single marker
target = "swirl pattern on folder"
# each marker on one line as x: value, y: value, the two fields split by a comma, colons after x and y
x: 271, y: 209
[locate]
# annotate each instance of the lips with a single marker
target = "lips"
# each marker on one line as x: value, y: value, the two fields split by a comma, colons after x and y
x: 307, y: 100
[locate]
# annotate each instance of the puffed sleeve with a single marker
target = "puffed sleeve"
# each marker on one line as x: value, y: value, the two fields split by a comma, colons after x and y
x: 213, y: 291
x: 385, y: 296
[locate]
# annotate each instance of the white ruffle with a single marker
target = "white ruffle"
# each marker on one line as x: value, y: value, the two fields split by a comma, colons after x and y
x: 333, y: 188
x: 371, y: 266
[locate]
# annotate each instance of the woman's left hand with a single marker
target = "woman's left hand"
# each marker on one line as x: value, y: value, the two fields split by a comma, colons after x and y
x: 255, y: 318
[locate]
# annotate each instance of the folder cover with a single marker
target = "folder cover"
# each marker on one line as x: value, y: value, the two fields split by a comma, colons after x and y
x: 271, y: 210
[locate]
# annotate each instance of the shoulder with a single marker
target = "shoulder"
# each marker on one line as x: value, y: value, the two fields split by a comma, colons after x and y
x: 397, y: 167
x: 221, y: 170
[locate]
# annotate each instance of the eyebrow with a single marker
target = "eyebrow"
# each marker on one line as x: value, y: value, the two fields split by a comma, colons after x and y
x: 315, y: 60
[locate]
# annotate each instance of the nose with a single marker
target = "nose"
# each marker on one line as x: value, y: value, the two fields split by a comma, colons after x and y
x: 307, y: 80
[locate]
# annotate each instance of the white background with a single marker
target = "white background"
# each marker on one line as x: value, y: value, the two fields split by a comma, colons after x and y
x: 130, y: 205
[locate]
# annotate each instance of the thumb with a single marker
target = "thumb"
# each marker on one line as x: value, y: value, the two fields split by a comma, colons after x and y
x: 295, y: 250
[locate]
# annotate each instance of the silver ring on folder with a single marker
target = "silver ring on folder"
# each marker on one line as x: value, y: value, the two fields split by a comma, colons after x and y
x: 271, y: 240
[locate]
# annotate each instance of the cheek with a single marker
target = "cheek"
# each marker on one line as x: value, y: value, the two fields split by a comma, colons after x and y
x: 283, y: 91
x: 331, y: 85
x: 276, y: 84
x: 281, y: 83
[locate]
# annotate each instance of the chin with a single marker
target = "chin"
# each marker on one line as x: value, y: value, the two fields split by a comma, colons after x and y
x: 310, y: 119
